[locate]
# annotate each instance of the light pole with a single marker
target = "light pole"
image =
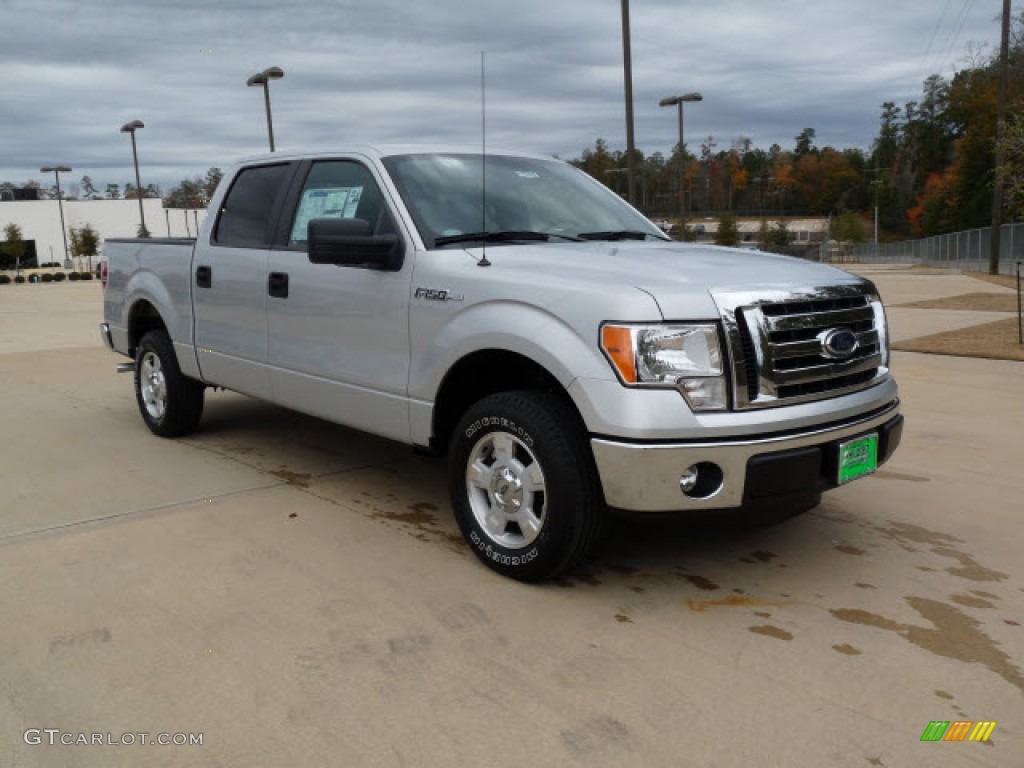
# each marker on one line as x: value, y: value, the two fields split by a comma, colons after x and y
x: 57, y: 170
x: 263, y: 78
x: 672, y: 101
x: 131, y: 128
x: 627, y: 75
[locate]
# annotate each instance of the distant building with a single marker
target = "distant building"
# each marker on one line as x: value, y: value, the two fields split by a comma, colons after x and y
x: 40, y: 221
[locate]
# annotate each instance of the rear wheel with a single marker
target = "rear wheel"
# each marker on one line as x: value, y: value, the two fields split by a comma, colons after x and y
x: 171, y: 404
x: 523, y: 485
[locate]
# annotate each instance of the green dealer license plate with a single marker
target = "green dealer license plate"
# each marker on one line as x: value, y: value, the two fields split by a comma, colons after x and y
x: 857, y: 458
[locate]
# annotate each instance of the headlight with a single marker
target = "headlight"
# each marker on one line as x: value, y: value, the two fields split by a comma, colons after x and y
x: 882, y: 327
x: 686, y: 357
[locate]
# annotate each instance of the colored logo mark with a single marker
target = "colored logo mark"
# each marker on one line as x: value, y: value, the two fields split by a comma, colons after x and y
x: 958, y: 730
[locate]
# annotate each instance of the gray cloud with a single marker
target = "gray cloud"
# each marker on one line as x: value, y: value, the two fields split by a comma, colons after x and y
x: 389, y: 71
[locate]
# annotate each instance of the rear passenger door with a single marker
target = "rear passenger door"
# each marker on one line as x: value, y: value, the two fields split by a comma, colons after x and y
x: 229, y: 281
x: 338, y: 336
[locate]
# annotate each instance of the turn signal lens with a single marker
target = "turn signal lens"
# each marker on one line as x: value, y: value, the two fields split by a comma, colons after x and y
x: 617, y: 343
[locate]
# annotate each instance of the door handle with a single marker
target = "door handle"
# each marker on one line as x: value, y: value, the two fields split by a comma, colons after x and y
x: 204, y: 277
x: 277, y: 285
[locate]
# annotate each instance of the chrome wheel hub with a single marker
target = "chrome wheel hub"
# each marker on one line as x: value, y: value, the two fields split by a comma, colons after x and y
x: 505, y: 485
x: 153, y: 386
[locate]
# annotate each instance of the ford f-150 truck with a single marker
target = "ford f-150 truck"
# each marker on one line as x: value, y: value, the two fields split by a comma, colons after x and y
x: 517, y: 315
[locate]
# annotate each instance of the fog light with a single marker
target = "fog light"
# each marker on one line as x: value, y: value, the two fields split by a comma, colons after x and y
x: 688, y: 480
x: 701, y: 480
x: 704, y: 394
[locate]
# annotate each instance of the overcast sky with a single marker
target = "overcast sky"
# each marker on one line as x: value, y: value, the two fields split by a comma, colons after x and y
x: 408, y: 70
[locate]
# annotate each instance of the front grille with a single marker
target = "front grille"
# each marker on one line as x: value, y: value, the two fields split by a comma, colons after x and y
x: 778, y: 350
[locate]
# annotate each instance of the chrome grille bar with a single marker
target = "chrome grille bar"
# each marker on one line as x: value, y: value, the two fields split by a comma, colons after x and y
x: 777, y: 344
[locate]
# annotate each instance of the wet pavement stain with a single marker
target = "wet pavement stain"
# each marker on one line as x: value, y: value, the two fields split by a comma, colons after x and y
x: 847, y: 649
x: 299, y: 479
x: 638, y: 590
x: 762, y: 556
x: 849, y: 549
x: 983, y: 593
x: 972, y: 602
x: 906, y: 532
x: 944, y: 695
x: 865, y: 585
x: 700, y: 582
x: 623, y: 618
x: 969, y: 567
x: 876, y: 761
x: 420, y: 523
x: 730, y: 601
x: 953, y: 635
x: 580, y: 577
x: 770, y: 631
x: 763, y: 614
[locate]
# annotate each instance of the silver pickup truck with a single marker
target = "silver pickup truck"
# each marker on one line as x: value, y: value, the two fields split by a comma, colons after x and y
x: 520, y: 317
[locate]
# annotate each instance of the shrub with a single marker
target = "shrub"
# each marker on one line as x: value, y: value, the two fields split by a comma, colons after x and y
x: 58, y: 276
x: 73, y: 277
x: 19, y: 279
x: 85, y: 276
x: 4, y: 279
x: 46, y: 278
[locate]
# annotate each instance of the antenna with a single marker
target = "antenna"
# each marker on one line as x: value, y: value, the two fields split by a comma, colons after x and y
x: 483, y: 163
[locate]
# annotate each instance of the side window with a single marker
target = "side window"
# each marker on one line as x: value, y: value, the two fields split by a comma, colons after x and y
x: 339, y: 189
x: 245, y: 216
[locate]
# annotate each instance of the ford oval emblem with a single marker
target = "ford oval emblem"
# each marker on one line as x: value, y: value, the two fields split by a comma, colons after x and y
x: 838, y: 343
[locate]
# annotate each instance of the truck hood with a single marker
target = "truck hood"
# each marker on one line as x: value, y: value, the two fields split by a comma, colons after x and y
x: 680, y: 276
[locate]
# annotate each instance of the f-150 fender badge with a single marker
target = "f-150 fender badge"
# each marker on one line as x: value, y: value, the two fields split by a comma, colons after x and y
x: 437, y: 294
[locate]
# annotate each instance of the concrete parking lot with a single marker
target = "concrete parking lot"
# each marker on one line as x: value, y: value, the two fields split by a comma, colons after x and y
x: 298, y: 594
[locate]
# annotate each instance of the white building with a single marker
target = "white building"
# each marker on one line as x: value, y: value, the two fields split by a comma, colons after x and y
x: 40, y: 221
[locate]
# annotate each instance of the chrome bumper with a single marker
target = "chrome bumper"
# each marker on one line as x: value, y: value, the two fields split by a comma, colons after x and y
x: 645, y: 477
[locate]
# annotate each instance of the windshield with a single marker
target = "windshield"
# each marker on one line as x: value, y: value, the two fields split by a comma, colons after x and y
x: 524, y: 196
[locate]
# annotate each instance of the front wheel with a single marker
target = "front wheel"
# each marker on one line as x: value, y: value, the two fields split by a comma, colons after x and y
x: 523, y: 485
x: 171, y: 404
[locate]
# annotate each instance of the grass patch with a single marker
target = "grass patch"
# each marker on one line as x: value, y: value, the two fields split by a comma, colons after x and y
x: 992, y: 341
x: 978, y: 302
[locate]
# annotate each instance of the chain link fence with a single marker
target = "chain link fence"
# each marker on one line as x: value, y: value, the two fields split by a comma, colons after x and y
x: 968, y: 251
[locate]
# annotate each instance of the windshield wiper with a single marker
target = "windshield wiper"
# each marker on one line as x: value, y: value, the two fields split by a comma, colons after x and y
x: 615, y: 234
x: 490, y: 237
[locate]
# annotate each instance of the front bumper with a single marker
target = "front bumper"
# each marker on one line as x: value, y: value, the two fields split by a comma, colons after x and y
x: 644, y: 477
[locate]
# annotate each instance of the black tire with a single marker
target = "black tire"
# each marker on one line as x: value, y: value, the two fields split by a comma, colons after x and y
x: 171, y: 404
x: 558, y: 504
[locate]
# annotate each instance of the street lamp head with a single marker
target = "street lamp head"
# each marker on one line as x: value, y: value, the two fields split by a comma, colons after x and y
x: 671, y: 101
x: 268, y: 74
x: 57, y: 168
x: 130, y: 127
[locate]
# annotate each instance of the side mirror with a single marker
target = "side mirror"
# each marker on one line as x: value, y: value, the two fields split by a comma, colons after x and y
x: 350, y: 243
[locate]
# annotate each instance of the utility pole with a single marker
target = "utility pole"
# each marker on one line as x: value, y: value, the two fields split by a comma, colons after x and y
x: 876, y: 183
x: 997, y: 187
x: 627, y: 71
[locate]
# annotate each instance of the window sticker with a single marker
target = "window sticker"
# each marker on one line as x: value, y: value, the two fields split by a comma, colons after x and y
x: 528, y: 174
x: 331, y: 203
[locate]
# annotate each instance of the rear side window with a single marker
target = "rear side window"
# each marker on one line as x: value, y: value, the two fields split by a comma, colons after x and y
x: 245, y: 215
